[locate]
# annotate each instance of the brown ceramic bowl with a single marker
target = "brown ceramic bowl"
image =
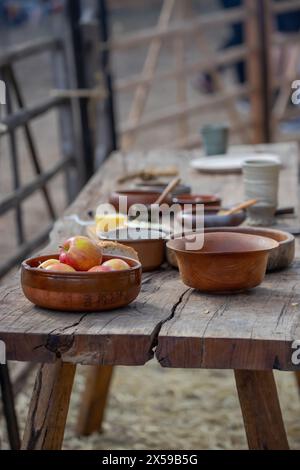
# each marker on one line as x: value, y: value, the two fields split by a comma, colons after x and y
x: 135, y: 196
x: 227, y: 263
x: 151, y: 252
x: 80, y: 291
x: 194, y: 199
x: 279, y: 258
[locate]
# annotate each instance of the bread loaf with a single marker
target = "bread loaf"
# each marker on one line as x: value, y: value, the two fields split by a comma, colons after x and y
x: 118, y: 249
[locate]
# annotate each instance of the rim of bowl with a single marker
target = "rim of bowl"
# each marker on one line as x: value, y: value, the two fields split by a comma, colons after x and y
x: 289, y: 236
x: 196, y: 198
x: 270, y: 240
x: 142, y: 192
x: 44, y: 272
x: 138, y: 240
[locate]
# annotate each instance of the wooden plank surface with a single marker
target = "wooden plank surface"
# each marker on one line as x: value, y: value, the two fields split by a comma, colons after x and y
x: 251, y: 330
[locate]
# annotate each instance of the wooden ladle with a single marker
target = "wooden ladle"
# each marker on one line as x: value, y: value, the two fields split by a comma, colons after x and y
x: 239, y: 207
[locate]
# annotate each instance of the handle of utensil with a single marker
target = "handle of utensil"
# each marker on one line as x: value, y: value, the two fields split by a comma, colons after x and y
x: 167, y: 190
x: 285, y: 210
x: 239, y: 207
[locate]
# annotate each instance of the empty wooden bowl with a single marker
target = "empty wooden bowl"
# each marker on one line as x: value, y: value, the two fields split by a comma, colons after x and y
x: 80, y: 291
x: 160, y: 186
x: 279, y: 258
x: 135, y: 196
x: 207, y: 199
x: 227, y: 263
x: 151, y: 251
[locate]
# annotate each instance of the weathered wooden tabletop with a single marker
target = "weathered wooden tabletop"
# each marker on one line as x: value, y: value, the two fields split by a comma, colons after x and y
x: 178, y: 325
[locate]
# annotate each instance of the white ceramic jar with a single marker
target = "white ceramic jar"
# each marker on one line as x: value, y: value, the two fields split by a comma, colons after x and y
x: 261, y: 182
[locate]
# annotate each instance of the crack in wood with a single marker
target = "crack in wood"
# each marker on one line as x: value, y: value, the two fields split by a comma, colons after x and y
x: 53, y: 342
x: 158, y: 328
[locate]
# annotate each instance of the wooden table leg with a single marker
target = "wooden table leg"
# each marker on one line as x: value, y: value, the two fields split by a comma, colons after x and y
x: 94, y: 399
x: 49, y: 406
x: 261, y: 410
x: 297, y: 375
x: 9, y: 408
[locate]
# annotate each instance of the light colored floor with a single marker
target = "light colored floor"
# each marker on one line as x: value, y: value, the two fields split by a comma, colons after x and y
x: 155, y: 408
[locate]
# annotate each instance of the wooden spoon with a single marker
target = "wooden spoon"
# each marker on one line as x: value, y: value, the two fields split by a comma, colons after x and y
x: 173, y: 183
x: 239, y: 207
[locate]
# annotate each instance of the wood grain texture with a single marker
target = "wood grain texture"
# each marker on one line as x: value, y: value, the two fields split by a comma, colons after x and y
x: 93, y: 400
x: 49, y: 406
x: 253, y: 330
x: 297, y: 375
x: 261, y: 410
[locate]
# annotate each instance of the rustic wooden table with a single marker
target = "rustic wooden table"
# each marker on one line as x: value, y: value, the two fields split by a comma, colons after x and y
x: 251, y: 333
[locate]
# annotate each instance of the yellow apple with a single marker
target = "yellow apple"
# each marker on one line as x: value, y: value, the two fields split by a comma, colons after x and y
x: 116, y: 264
x: 47, y: 263
x: 60, y: 267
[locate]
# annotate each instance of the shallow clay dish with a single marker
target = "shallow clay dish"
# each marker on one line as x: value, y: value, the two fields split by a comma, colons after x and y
x: 80, y: 291
x: 151, y: 252
x: 206, y: 199
x: 279, y: 258
x: 227, y: 263
x: 136, y: 197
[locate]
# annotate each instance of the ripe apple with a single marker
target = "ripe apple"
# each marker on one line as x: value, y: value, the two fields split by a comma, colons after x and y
x: 116, y: 264
x: 47, y: 263
x: 81, y: 253
x: 60, y: 267
x: 99, y: 269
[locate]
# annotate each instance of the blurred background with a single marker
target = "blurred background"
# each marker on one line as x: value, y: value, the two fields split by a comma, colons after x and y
x: 85, y: 78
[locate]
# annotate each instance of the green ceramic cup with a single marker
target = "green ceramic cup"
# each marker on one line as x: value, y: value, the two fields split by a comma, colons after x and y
x: 215, y: 138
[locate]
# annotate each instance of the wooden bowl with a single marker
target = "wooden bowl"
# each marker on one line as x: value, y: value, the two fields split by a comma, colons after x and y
x: 227, y: 263
x: 80, y: 291
x: 211, y: 219
x: 159, y: 187
x: 279, y: 258
x: 194, y: 199
x: 151, y: 251
x: 136, y: 197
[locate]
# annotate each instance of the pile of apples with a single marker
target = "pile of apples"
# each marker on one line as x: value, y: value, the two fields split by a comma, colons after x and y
x: 82, y: 254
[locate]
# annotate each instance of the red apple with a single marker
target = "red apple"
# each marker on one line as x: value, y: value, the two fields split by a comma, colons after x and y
x: 100, y: 269
x: 47, y: 263
x: 116, y: 264
x: 81, y: 253
x: 60, y: 267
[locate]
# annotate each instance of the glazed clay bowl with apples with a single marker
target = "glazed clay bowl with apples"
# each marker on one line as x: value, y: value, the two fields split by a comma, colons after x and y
x: 80, y: 291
